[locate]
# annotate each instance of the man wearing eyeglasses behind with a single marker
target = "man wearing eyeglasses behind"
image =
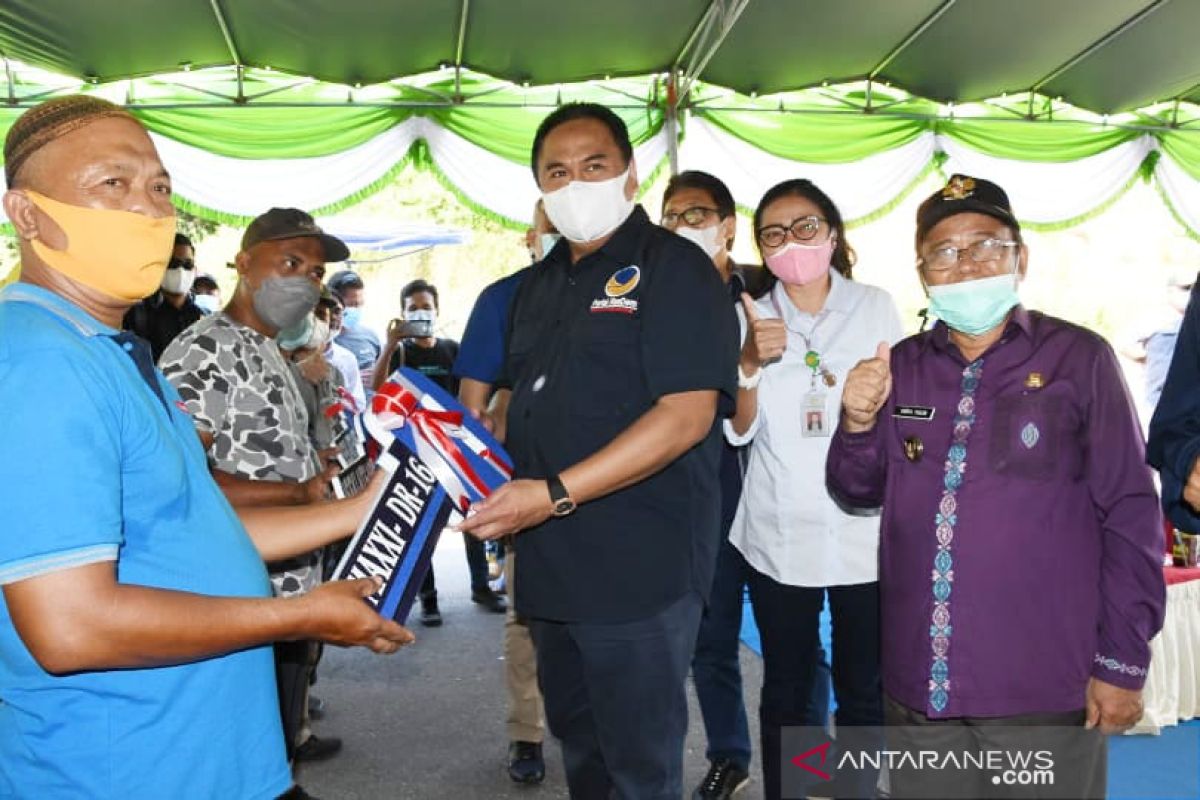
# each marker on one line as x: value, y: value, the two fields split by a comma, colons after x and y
x: 1021, y: 544
x: 168, y: 312
x: 700, y: 208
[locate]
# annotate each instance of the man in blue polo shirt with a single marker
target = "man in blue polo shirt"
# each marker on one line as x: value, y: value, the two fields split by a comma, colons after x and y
x: 621, y: 352
x: 134, y: 607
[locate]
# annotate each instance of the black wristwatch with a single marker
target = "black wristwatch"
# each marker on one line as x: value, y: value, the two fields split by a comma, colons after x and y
x: 563, y: 504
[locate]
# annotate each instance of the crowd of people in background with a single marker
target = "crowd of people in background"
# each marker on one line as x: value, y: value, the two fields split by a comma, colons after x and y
x: 703, y: 429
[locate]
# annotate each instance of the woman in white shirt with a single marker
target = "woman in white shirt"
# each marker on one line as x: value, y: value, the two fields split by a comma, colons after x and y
x: 801, y: 338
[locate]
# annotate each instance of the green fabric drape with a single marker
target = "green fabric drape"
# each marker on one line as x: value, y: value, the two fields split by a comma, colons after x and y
x: 508, y: 132
x: 271, y: 132
x: 1023, y: 140
x: 827, y: 136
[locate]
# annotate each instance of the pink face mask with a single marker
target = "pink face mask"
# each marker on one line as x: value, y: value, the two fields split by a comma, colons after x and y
x: 799, y: 264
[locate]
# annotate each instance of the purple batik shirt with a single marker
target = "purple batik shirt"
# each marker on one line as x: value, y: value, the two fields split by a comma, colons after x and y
x: 1021, y: 540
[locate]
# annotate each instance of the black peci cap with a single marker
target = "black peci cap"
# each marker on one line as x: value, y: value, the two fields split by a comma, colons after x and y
x: 963, y: 193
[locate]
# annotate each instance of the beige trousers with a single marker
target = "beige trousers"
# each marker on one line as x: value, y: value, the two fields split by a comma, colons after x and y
x: 526, y: 718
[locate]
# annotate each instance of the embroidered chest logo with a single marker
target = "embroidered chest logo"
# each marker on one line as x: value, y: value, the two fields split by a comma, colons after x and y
x: 622, y: 282
x: 1030, y: 436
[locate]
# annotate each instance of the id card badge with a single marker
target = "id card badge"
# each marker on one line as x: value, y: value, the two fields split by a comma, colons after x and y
x: 814, y: 419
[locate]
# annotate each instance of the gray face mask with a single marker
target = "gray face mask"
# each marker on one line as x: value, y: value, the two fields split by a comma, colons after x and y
x: 283, y: 302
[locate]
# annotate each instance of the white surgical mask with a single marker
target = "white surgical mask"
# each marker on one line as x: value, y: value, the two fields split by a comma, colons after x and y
x: 320, y: 334
x: 422, y: 315
x: 709, y: 239
x: 178, y: 281
x: 584, y: 211
x: 207, y: 303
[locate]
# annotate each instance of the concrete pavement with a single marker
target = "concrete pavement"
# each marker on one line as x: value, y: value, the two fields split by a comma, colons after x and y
x: 428, y: 722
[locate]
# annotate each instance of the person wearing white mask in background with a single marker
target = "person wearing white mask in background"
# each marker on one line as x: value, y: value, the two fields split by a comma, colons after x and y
x: 356, y: 335
x: 168, y: 312
x: 411, y: 343
x: 700, y: 208
x: 303, y: 346
x: 341, y: 358
x: 621, y: 352
x: 802, y: 337
x: 206, y: 293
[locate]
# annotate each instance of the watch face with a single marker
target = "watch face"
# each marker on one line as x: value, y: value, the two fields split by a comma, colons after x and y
x: 564, y: 507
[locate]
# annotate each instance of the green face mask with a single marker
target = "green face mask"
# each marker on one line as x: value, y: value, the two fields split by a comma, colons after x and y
x: 974, y: 307
x: 296, y: 336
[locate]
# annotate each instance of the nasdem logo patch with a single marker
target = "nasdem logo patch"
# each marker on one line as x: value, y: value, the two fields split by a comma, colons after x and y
x: 623, y: 281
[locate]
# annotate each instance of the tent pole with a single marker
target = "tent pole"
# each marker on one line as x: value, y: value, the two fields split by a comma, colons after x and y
x: 458, y: 49
x: 233, y: 51
x: 12, y: 94
x: 672, y: 125
x: 725, y: 14
x: 1099, y: 43
x: 908, y: 40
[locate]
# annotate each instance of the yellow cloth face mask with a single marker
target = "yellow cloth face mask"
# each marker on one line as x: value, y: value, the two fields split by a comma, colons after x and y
x: 119, y: 253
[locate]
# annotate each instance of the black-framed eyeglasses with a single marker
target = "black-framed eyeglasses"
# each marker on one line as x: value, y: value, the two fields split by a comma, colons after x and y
x: 985, y: 251
x: 804, y: 229
x: 696, y: 215
x: 181, y: 263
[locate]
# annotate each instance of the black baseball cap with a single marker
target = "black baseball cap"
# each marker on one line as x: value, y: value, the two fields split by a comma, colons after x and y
x: 292, y: 223
x: 962, y: 193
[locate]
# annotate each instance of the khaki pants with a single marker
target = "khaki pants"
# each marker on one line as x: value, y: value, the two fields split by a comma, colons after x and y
x: 525, y: 713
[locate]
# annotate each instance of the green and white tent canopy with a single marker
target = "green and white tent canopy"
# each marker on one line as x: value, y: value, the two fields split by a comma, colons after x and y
x: 317, y: 103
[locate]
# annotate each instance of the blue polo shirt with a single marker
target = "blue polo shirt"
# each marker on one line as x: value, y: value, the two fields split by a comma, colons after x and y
x: 481, y: 353
x: 102, y: 465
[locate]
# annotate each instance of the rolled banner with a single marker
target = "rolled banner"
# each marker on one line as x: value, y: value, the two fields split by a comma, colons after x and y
x: 439, y: 460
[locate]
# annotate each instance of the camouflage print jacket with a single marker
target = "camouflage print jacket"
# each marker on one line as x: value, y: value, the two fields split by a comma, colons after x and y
x: 238, y: 388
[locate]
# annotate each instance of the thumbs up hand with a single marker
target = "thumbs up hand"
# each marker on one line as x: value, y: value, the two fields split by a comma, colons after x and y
x: 867, y: 388
x: 766, y: 339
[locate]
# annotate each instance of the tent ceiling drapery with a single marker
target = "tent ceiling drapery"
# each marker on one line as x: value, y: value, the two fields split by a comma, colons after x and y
x: 257, y: 102
x: 1105, y: 55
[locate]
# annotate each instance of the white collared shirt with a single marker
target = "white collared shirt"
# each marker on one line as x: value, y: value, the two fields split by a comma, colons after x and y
x: 787, y: 526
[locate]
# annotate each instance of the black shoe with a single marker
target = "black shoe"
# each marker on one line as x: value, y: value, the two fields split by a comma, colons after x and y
x: 724, y: 779
x: 525, y: 764
x: 317, y: 749
x: 296, y: 793
x: 430, y: 616
x: 490, y: 600
x: 316, y: 707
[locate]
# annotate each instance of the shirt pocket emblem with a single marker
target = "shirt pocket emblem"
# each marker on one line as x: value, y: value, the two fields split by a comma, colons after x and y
x: 1030, y: 435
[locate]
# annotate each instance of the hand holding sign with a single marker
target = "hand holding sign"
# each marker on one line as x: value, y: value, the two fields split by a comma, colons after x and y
x: 513, y: 507
x: 868, y: 386
x: 766, y: 339
x: 338, y: 615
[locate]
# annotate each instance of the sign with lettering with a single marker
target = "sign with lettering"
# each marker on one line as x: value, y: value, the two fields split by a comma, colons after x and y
x: 439, y: 460
x: 395, y: 542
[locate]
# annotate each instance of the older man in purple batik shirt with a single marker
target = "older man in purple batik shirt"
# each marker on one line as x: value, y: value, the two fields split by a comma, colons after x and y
x: 1021, y: 546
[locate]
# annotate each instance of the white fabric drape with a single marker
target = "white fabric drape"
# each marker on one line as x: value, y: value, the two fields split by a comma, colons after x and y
x: 502, y: 186
x: 1172, y: 690
x: 1049, y: 193
x: 1045, y: 193
x: 1181, y: 190
x: 858, y: 188
x: 248, y: 187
